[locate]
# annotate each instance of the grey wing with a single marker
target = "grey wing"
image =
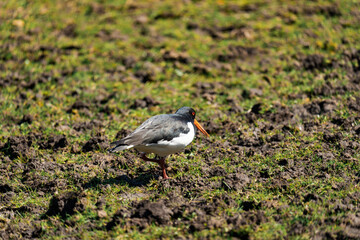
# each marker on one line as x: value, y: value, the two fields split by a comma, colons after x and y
x: 136, y: 136
x: 160, y: 127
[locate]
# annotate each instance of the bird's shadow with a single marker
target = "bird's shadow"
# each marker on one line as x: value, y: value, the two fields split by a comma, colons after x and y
x: 142, y: 179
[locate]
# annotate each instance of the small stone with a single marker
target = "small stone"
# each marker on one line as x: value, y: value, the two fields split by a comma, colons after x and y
x: 101, y: 214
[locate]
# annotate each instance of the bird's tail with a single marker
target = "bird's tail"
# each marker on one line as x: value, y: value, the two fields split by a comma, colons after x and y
x: 119, y: 146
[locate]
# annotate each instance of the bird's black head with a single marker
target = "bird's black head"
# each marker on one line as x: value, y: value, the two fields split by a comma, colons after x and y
x: 190, y: 114
x: 186, y: 111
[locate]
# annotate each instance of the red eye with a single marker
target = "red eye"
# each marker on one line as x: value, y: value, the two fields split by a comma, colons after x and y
x: 193, y: 113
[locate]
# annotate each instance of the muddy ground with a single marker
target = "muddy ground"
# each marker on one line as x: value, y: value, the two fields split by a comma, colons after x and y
x: 275, y: 84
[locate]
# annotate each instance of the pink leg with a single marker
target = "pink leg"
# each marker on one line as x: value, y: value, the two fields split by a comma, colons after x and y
x: 162, y: 165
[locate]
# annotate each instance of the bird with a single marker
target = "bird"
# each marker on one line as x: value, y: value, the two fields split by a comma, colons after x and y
x: 162, y: 135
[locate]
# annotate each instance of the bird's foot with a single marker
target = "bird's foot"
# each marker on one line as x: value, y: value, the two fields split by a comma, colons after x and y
x: 166, y: 177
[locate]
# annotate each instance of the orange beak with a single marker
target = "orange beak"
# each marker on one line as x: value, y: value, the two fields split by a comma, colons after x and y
x: 197, y: 124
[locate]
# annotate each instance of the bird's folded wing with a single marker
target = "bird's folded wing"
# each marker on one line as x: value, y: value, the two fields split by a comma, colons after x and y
x: 161, y: 127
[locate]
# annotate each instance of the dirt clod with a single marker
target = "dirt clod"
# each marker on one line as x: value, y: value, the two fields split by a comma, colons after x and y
x: 153, y: 212
x: 173, y: 56
x: 144, y: 103
x: 65, y: 204
x: 5, y: 188
x: 96, y: 143
x: 312, y: 62
x: 87, y: 125
x: 26, y: 119
x: 17, y: 146
x: 237, y: 52
x: 54, y: 142
x: 78, y: 105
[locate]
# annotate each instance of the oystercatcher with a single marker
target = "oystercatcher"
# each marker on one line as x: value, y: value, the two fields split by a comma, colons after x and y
x: 163, y: 135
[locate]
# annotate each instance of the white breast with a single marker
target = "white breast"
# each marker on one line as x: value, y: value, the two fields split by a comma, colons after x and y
x: 164, y: 147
